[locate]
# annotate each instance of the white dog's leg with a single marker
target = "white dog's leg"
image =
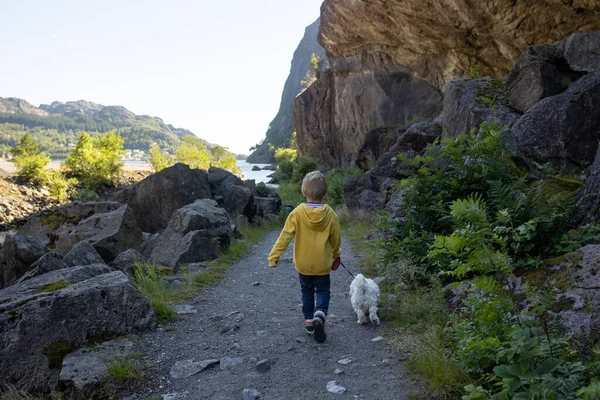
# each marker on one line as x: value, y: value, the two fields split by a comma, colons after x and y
x: 362, y: 318
x: 373, y: 316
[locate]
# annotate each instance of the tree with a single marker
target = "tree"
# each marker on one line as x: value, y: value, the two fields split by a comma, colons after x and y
x: 192, y: 151
x: 158, y: 159
x: 96, y: 161
x: 223, y: 158
x: 314, y: 73
x: 29, y: 163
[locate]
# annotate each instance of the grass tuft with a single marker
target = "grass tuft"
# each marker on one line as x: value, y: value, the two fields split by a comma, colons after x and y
x: 127, y: 369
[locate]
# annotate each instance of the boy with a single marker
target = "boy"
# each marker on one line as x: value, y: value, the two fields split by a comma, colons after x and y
x: 317, y: 230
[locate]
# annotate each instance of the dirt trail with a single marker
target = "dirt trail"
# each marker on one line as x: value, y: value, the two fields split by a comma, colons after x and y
x: 255, y: 314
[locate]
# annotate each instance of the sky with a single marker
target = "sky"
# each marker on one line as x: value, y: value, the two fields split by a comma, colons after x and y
x: 214, y: 67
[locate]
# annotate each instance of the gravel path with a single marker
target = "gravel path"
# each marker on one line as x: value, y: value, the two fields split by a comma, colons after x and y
x: 254, y: 314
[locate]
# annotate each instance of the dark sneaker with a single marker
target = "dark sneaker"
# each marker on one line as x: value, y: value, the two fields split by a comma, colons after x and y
x: 318, y: 324
x: 308, y: 327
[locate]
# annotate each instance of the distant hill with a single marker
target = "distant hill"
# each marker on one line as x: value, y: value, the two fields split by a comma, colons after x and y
x: 57, y: 125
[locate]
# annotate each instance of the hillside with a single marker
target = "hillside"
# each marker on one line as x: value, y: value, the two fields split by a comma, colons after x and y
x: 281, y: 128
x: 57, y: 125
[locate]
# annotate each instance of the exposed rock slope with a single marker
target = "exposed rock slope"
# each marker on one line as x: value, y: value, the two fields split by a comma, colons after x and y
x: 281, y: 128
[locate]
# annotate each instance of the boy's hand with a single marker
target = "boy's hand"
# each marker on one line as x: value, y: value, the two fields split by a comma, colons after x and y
x: 336, y: 264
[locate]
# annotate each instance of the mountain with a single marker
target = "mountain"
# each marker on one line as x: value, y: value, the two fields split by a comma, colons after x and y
x: 281, y: 128
x: 58, y: 124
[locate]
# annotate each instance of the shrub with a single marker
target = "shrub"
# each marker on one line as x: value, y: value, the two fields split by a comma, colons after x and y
x: 58, y: 185
x: 158, y: 159
x: 29, y: 163
x: 96, y: 161
x: 285, y: 154
x: 192, y: 151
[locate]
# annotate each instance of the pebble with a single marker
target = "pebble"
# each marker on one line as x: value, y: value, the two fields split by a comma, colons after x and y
x: 333, y: 387
x: 384, y: 363
x: 344, y: 361
x: 264, y: 365
x: 250, y: 394
x: 228, y: 362
x: 377, y: 339
x: 300, y: 340
x: 256, y: 283
x: 187, y: 368
x: 338, y: 371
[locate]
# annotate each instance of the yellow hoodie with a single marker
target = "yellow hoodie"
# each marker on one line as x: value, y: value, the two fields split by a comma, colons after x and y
x: 318, y: 239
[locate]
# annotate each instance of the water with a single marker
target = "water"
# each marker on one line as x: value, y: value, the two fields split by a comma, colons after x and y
x: 258, y: 176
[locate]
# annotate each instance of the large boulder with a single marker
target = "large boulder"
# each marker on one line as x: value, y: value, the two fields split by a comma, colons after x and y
x: 154, y: 199
x: 127, y: 261
x: 375, y: 144
x: 54, y: 227
x: 576, y: 279
x: 50, y: 261
x: 470, y: 102
x: 540, y: 72
x: 363, y: 192
x: 196, y: 232
x: 45, y: 318
x: 582, y: 51
x: 110, y: 233
x: 588, y: 199
x: 18, y: 254
x: 563, y: 130
x: 231, y: 193
x: 83, y: 253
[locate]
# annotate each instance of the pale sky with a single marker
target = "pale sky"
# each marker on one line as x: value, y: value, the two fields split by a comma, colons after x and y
x: 214, y: 67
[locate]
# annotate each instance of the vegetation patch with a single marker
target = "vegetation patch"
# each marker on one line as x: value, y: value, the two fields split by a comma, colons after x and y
x: 56, y: 353
x: 53, y: 287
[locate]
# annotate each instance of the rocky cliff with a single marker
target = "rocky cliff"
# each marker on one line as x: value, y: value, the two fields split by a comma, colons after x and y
x: 282, y: 126
x: 391, y: 59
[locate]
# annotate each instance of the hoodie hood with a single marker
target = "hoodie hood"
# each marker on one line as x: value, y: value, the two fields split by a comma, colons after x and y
x: 316, y: 218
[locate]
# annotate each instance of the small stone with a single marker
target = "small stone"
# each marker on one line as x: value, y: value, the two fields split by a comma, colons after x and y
x: 384, y: 363
x: 255, y: 283
x: 239, y: 317
x: 333, y: 387
x: 264, y: 365
x: 185, y: 309
x: 261, y: 333
x: 344, y: 361
x: 230, y: 328
x: 233, y: 313
x: 377, y: 339
x: 228, y: 362
x: 187, y: 368
x: 300, y: 340
x: 250, y: 394
x: 338, y: 371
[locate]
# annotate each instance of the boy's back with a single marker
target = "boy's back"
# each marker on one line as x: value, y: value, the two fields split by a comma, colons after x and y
x: 317, y: 231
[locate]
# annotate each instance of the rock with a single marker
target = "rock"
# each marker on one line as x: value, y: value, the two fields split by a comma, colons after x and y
x: 18, y: 254
x: 269, y: 168
x: 576, y: 279
x: 300, y: 340
x: 127, y: 260
x: 82, y: 253
x: 174, y: 283
x: 110, y: 233
x: 154, y: 199
x: 250, y: 394
x: 54, y: 227
x: 62, y: 310
x: 333, y: 387
x: 334, y: 127
x: 376, y: 143
x: 363, y: 192
x: 540, y: 72
x: 588, y: 199
x: 338, y: 371
x: 185, y: 309
x: 255, y: 283
x: 196, y: 232
x: 377, y: 339
x: 267, y: 205
x: 582, y: 51
x: 256, y: 168
x: 228, y: 362
x: 86, y: 367
x: 196, y: 268
x: 233, y: 194
x: 50, y: 261
x: 563, y: 130
x: 345, y: 361
x: 187, y: 368
x: 484, y: 37
x: 264, y: 365
x: 469, y: 102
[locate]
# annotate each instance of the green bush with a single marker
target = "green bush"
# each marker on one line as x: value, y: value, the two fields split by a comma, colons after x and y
x: 58, y: 185
x: 96, y: 161
x: 30, y: 164
x: 158, y: 159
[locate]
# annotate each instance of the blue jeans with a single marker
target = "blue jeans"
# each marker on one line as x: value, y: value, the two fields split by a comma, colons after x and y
x: 311, y: 284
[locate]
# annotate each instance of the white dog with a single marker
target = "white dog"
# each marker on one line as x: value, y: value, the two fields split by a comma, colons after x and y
x: 364, y: 294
